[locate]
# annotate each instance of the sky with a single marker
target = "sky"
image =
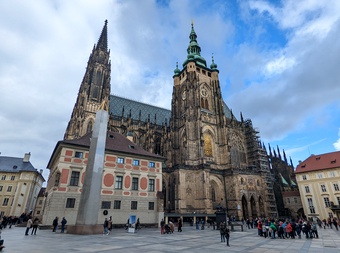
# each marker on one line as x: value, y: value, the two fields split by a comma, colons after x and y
x: 278, y: 65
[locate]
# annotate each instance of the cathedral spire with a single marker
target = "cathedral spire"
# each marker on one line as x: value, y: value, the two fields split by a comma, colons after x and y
x: 194, y: 50
x: 94, y: 90
x: 102, y: 41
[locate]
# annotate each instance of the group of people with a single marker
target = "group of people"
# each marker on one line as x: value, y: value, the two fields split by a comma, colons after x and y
x: 289, y: 229
x: 107, y: 226
x: 55, y: 224
x: 32, y: 223
x: 170, y: 227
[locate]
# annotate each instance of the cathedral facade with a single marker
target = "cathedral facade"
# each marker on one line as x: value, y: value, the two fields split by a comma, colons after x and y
x: 213, y: 161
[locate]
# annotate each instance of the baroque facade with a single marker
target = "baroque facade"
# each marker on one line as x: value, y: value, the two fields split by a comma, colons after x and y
x: 318, y: 178
x: 20, y: 184
x: 214, y: 161
x: 131, y: 179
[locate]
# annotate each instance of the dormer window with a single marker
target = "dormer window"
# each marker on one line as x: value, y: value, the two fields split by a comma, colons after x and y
x: 131, y: 147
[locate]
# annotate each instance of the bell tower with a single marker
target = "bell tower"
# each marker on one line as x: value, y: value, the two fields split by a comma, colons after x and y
x: 197, y: 110
x: 94, y: 90
x: 198, y: 136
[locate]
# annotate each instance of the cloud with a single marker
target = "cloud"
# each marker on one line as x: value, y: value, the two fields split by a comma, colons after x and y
x: 337, y: 143
x: 298, y: 80
x: 278, y: 63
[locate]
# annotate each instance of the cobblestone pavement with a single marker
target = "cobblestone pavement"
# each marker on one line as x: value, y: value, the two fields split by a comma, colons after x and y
x: 150, y: 240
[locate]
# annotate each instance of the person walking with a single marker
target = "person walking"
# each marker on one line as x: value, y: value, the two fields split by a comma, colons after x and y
x: 314, y: 232
x: 35, y: 226
x: 222, y: 231
x: 162, y: 226
x: 227, y: 235
x: 335, y: 223
x: 106, y: 227
x: 110, y: 224
x: 55, y: 224
x: 138, y: 225
x: 63, y: 223
x: 179, y: 225
x: 28, y: 225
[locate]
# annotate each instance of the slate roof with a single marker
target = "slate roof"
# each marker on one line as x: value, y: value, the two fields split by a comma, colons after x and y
x: 162, y: 115
x: 319, y: 162
x: 15, y: 164
x: 115, y: 142
x: 118, y: 103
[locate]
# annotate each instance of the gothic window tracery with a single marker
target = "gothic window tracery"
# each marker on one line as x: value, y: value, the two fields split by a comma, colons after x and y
x: 208, y: 151
x: 213, y: 195
x: 89, y: 127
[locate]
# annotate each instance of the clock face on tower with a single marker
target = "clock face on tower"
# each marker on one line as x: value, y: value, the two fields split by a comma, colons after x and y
x: 204, y: 92
x: 184, y: 95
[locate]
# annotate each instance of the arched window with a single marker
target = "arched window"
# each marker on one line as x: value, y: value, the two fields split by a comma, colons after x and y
x: 213, y: 195
x: 89, y: 127
x: 204, y: 103
x: 207, y: 145
x: 95, y: 92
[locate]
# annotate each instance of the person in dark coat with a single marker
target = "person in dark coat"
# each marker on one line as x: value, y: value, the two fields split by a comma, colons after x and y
x: 227, y: 235
x: 106, y: 227
x: 55, y: 224
x: 63, y: 223
x: 179, y: 225
x: 222, y: 231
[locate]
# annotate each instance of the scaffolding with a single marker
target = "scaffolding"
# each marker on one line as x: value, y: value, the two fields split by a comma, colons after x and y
x: 257, y: 156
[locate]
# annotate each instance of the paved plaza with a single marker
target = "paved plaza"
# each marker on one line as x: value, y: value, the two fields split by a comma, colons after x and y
x: 150, y: 240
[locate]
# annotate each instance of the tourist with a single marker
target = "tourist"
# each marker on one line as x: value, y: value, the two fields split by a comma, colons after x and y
x: 162, y: 226
x: 335, y: 223
x: 179, y: 225
x: 172, y: 226
x: 222, y: 231
x: 110, y: 224
x: 55, y: 224
x: 298, y: 229
x: 227, y: 235
x: 63, y: 223
x: 28, y: 225
x: 35, y: 226
x: 314, y: 232
x: 273, y: 228
x: 106, y: 224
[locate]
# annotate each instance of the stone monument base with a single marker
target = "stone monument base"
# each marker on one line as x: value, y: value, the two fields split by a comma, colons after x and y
x: 85, y: 229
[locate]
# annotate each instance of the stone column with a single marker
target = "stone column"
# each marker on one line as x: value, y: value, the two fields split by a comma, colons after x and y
x: 89, y: 205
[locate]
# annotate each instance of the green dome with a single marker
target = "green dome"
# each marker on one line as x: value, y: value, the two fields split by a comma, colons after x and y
x: 177, y: 71
x: 213, y: 65
x: 194, y: 50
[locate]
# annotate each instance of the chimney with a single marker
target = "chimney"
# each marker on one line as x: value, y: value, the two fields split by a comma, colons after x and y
x: 41, y: 171
x: 27, y: 157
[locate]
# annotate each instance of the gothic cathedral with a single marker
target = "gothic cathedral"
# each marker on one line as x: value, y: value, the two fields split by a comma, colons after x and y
x: 214, y: 161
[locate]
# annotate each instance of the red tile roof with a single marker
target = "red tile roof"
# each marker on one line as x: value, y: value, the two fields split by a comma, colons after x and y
x: 115, y: 142
x: 319, y: 162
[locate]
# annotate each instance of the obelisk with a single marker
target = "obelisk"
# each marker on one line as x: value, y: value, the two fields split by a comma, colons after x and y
x: 89, y: 205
